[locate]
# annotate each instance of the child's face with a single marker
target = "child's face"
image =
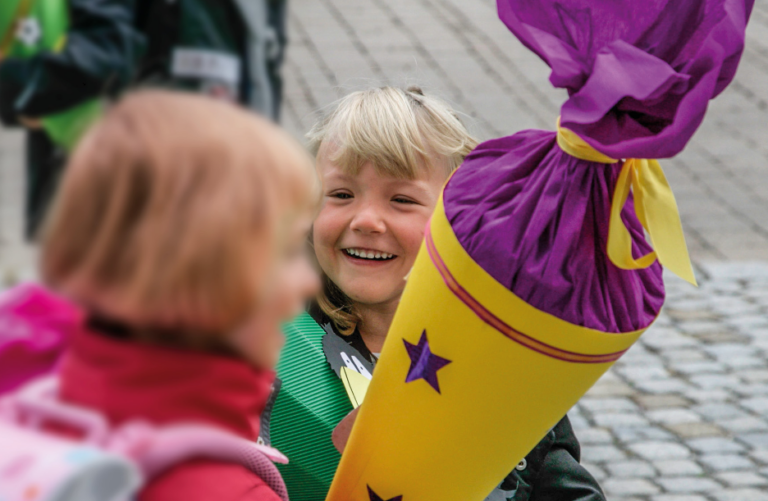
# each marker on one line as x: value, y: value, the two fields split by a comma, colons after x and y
x: 293, y: 282
x: 370, y: 228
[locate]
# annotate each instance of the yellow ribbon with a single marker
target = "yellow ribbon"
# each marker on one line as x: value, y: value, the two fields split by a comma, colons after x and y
x: 655, y: 207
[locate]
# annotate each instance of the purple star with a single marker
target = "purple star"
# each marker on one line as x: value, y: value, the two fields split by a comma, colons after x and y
x: 424, y: 364
x: 375, y: 497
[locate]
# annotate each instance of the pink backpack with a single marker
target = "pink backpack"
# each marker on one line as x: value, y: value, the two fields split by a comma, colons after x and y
x: 35, y: 325
x: 106, y: 464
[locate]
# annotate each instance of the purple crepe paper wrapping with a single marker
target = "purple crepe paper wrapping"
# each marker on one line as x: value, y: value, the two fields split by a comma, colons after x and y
x: 639, y: 76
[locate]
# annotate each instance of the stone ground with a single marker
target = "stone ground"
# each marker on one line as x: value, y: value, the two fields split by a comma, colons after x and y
x: 684, y: 415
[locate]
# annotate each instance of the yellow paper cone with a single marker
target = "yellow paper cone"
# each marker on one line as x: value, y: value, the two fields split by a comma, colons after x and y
x: 470, y: 379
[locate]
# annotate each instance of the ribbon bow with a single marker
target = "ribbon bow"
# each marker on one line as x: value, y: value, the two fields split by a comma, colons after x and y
x: 655, y: 207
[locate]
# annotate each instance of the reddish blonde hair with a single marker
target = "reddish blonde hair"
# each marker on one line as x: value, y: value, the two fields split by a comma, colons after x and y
x: 170, y: 210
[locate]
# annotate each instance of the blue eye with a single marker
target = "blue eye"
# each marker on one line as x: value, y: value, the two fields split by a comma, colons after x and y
x: 341, y: 196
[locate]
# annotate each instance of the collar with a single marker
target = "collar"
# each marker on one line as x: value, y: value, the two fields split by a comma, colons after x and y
x: 127, y: 380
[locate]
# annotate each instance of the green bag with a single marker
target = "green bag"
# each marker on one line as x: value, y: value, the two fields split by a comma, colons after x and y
x: 311, y: 402
x: 29, y: 27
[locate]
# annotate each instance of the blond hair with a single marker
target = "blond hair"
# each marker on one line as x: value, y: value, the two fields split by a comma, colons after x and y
x: 169, y: 211
x: 399, y: 131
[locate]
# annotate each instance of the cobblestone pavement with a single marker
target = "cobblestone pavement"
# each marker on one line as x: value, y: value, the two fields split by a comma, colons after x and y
x: 683, y: 416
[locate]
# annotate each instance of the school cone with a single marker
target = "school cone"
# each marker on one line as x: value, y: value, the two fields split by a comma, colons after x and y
x: 469, y: 381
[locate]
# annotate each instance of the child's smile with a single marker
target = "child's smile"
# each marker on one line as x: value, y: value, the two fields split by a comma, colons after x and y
x: 361, y: 254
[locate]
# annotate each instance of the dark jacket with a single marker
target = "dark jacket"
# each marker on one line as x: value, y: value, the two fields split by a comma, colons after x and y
x: 550, y: 472
x: 227, y: 48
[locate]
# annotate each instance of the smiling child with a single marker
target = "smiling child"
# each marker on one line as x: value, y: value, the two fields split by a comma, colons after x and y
x: 383, y: 156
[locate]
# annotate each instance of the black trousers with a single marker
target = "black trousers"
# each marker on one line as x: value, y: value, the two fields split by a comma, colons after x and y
x: 45, y: 163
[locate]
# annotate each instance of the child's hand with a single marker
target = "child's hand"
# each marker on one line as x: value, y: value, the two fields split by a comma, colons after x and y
x: 30, y: 123
x: 341, y: 433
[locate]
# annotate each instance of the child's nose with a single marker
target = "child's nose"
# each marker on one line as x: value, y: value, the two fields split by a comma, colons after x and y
x: 368, y: 220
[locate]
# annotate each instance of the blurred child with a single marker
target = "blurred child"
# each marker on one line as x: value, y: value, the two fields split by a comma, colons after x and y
x: 383, y: 156
x: 179, y: 229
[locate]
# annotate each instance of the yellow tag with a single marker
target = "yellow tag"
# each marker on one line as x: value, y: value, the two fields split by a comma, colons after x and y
x: 356, y: 385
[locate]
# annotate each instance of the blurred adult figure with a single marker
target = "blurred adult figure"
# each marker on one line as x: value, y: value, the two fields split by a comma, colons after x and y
x: 228, y: 49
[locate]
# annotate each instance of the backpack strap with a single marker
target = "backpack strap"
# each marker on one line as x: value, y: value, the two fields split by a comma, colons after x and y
x: 155, y: 449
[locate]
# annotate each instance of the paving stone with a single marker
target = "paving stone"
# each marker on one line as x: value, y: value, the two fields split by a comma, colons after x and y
x: 664, y: 385
x: 699, y: 367
x: 760, y: 455
x: 717, y: 337
x: 755, y: 375
x: 578, y: 422
x: 743, y: 424
x: 667, y: 339
x: 630, y: 469
x: 725, y: 462
x: 692, y: 314
x: 644, y: 372
x: 751, y: 390
x: 757, y: 404
x: 725, y: 351
x: 678, y: 497
x: 601, y: 453
x: 685, y: 355
x: 688, y: 484
x: 714, y: 444
x: 594, y: 436
x: 609, y: 404
x: 661, y: 401
x: 718, y: 411
x: 754, y: 440
x: 710, y: 381
x: 673, y: 416
x: 746, y: 322
x: 695, y: 430
x: 677, y: 467
x: 753, y: 362
x: 740, y: 495
x: 708, y: 396
x: 610, y: 389
x: 647, y: 434
x: 700, y: 326
x: 742, y: 479
x: 628, y: 486
x: 596, y: 471
x: 659, y: 450
x: 623, y: 420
